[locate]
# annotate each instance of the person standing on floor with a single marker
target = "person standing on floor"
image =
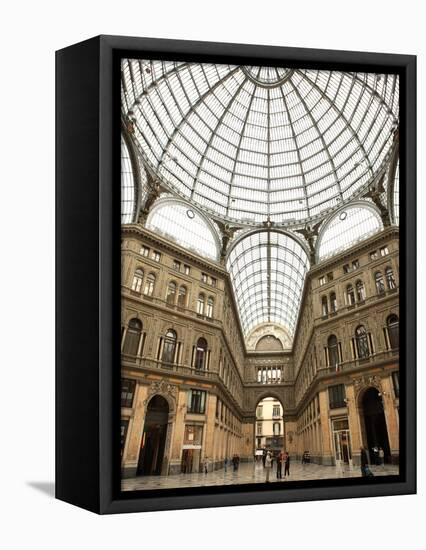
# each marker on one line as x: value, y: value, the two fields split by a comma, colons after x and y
x: 225, y: 463
x: 235, y: 463
x: 206, y: 465
x: 364, y: 462
x: 268, y: 465
x: 381, y: 457
x: 287, y: 465
x: 279, y: 465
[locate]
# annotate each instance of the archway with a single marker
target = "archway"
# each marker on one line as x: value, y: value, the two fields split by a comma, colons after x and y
x: 375, y: 430
x: 154, y: 437
x: 269, y: 428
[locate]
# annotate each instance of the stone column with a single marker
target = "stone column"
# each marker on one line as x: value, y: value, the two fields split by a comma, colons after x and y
x: 354, y: 424
x: 134, y: 434
x: 210, y: 427
x: 327, y: 450
x: 178, y: 434
x: 391, y: 418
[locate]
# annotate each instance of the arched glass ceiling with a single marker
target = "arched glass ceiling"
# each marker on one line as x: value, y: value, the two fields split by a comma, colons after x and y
x: 267, y: 271
x: 128, y: 196
x: 396, y: 195
x: 185, y: 226
x: 246, y: 143
x: 348, y: 227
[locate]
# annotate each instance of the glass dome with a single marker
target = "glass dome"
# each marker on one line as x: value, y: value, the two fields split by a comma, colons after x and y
x: 249, y: 143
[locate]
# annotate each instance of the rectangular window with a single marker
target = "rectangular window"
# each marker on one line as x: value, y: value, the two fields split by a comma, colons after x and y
x: 355, y: 264
x: 276, y: 410
x: 259, y: 411
x: 176, y: 265
x: 340, y: 424
x: 197, y: 401
x: 259, y: 428
x: 156, y: 256
x: 330, y: 276
x: 145, y: 251
x: 384, y: 251
x: 193, y: 435
x: 204, y: 278
x: 336, y: 396
x: 186, y: 269
x: 127, y: 392
x: 374, y: 255
x: 321, y: 281
x: 395, y: 380
x: 213, y: 281
x: 346, y: 268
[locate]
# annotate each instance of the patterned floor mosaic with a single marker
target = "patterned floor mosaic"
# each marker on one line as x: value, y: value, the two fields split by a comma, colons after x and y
x: 249, y: 473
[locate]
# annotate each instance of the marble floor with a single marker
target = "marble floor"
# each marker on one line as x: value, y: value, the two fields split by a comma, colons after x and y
x: 248, y: 473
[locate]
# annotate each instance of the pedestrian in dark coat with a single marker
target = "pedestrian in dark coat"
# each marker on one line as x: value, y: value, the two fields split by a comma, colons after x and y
x: 287, y: 465
x: 279, y: 465
x: 364, y: 462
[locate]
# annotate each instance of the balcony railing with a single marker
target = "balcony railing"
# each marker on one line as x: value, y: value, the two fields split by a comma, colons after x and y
x: 354, y: 363
x: 173, y: 306
x: 357, y: 304
x: 145, y: 363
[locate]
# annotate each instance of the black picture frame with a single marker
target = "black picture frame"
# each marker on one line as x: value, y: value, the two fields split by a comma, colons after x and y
x: 88, y: 273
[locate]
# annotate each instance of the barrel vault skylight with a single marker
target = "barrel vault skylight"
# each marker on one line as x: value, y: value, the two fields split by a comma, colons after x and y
x: 267, y: 271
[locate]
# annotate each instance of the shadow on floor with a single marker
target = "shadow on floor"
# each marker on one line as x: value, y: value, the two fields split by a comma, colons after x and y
x: 46, y: 487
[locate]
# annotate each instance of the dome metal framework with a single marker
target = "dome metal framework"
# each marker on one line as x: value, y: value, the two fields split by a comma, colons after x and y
x: 268, y: 150
x: 248, y: 144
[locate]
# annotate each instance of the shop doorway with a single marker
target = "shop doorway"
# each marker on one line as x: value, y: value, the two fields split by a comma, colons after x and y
x: 154, y: 437
x: 190, y: 461
x: 342, y: 442
x: 376, y: 432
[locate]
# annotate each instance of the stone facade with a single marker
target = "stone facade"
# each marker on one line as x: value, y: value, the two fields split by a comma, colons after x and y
x: 182, y: 340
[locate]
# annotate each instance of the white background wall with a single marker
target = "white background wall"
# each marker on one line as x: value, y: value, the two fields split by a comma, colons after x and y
x: 30, y: 32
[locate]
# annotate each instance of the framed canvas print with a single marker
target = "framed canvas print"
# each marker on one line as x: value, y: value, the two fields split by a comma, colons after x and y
x: 236, y: 288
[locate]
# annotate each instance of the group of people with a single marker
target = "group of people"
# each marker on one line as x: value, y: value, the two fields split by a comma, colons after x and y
x: 378, y: 458
x: 282, y: 458
x: 235, y: 461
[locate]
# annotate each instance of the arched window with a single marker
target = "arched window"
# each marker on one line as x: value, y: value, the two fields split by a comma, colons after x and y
x: 380, y: 285
x: 169, y: 347
x: 133, y: 336
x: 149, y: 285
x: 182, y: 296
x: 333, y: 351
x: 392, y: 324
x: 360, y: 291
x: 324, y: 306
x: 200, y: 304
x: 390, y: 279
x: 171, y: 293
x: 200, y: 354
x: 350, y: 295
x: 209, y: 308
x: 137, y: 280
x: 333, y: 302
x: 361, y: 339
